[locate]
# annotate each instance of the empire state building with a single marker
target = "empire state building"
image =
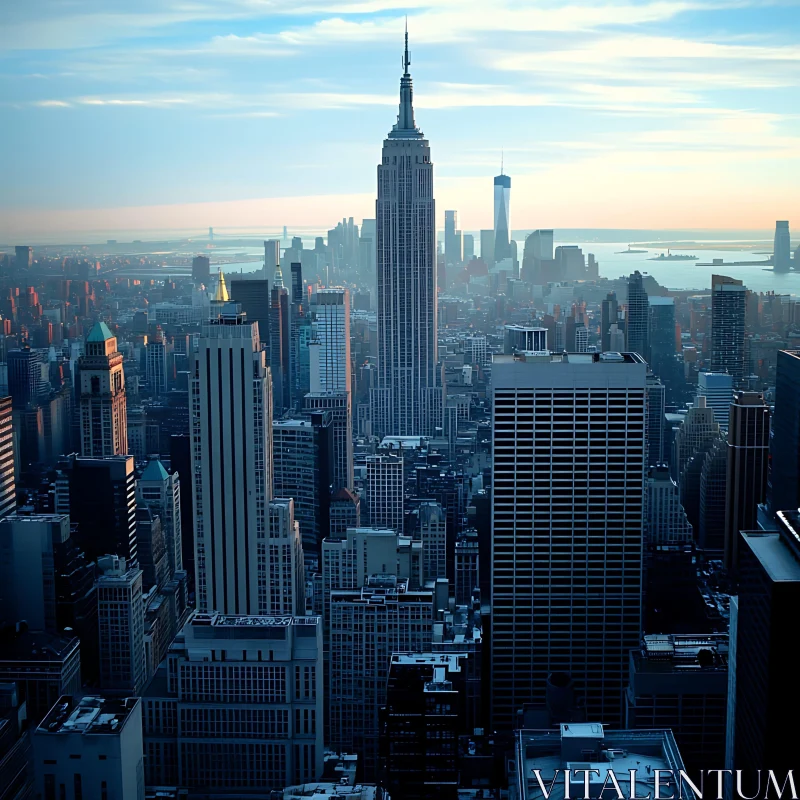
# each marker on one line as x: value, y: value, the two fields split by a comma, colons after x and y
x: 408, y: 401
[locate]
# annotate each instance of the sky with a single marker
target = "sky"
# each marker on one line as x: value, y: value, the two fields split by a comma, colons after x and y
x: 144, y: 115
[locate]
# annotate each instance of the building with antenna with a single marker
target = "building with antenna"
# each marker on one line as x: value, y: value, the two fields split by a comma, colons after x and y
x: 502, y: 221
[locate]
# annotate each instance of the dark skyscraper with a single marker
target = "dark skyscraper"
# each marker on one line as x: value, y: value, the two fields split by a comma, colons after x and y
x: 661, y: 334
x: 502, y: 223
x: 406, y: 401
x: 608, y: 317
x: 784, y: 471
x: 765, y: 678
x: 253, y: 296
x: 201, y: 270
x: 748, y: 456
x: 728, y: 305
x: 638, y: 316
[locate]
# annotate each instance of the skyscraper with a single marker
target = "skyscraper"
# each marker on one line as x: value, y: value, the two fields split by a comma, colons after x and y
x: 161, y: 492
x: 232, y: 469
x: 384, y: 492
x: 638, y: 316
x: 453, y: 244
x: 252, y: 294
x: 748, y: 458
x: 104, y: 429
x: 567, y: 526
x: 608, y: 316
x: 8, y: 492
x: 156, y: 365
x: 406, y: 401
x: 766, y: 680
x: 728, y: 307
x: 502, y: 218
x: 201, y: 270
x: 782, y: 250
x: 717, y: 388
x: 661, y: 334
x: 784, y: 468
x: 280, y: 348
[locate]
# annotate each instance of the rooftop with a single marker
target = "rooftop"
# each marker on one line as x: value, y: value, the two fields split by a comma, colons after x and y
x: 569, y: 358
x: 88, y: 715
x: 588, y: 746
x: 40, y: 647
x: 683, y: 653
x: 154, y: 471
x: 231, y: 621
x: 360, y: 791
x: 775, y: 555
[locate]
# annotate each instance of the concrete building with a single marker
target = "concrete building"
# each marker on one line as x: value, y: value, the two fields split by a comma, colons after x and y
x: 90, y: 748
x: 302, y: 452
x: 590, y: 746
x: 120, y: 618
x: 232, y: 466
x: 345, y: 512
x: 717, y: 388
x: 161, y: 493
x: 680, y: 683
x: 728, y: 307
x: 8, y: 491
x: 524, y: 338
x: 384, y: 492
x: 366, y: 626
x: 567, y: 526
x: 237, y: 708
x: 339, y: 406
x: 104, y: 430
x: 407, y: 401
x: 747, y: 464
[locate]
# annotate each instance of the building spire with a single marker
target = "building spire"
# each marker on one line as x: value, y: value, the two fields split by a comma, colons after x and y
x: 502, y: 154
x: 405, y: 126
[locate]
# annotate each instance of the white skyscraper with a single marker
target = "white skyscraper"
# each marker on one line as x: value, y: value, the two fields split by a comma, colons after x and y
x: 406, y: 401
x: 232, y: 462
x: 717, y: 388
x: 567, y: 524
x: 331, y: 375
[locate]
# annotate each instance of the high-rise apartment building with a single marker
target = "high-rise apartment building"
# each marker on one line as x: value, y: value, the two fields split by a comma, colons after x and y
x: 784, y: 468
x: 567, y: 526
x: 407, y: 401
x: 302, y: 452
x: 104, y: 427
x: 244, y: 715
x: 637, y: 323
x: 384, y: 492
x: 502, y: 218
x: 120, y: 620
x: 8, y: 491
x: 232, y: 463
x: 748, y: 460
x: 782, y: 251
x: 366, y: 626
x: 161, y: 493
x: 717, y: 388
x: 728, y: 307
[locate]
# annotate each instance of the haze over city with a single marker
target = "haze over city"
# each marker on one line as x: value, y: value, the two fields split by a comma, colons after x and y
x: 241, y: 114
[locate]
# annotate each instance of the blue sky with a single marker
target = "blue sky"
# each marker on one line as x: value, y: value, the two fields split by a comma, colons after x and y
x: 178, y: 114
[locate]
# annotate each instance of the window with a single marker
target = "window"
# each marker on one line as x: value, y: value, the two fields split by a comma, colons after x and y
x: 78, y: 787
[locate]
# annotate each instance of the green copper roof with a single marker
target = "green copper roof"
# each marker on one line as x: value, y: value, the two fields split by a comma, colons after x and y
x: 100, y: 333
x: 154, y: 471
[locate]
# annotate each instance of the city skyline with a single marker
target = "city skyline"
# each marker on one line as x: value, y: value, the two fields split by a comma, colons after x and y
x: 146, y: 100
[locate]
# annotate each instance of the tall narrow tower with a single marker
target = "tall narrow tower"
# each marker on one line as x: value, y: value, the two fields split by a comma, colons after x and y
x: 502, y: 222
x: 232, y: 469
x: 104, y: 429
x: 406, y: 402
